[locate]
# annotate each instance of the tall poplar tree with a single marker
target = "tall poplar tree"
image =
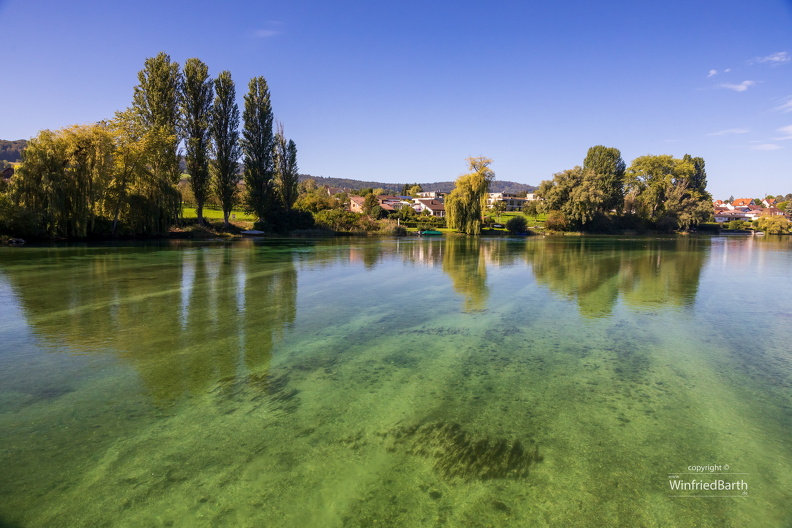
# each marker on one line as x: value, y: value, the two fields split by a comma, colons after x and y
x: 225, y: 139
x: 257, y: 141
x: 698, y: 180
x: 285, y: 163
x: 156, y: 101
x: 196, y: 102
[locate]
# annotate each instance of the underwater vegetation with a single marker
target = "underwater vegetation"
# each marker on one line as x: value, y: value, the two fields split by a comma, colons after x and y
x: 272, y: 391
x: 458, y: 454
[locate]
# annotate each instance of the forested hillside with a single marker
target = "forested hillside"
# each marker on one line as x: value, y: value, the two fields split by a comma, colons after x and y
x: 12, y: 150
x: 445, y: 186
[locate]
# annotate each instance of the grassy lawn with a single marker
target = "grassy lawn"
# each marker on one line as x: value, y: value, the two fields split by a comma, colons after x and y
x: 217, y: 214
x: 532, y: 220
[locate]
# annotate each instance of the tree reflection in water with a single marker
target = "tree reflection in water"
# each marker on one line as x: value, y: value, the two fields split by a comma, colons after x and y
x: 645, y: 273
x: 185, y: 317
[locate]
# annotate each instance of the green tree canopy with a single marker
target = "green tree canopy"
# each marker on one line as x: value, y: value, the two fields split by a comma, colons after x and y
x: 196, y: 99
x: 464, y: 205
x: 608, y: 167
x: 517, y: 224
x: 64, y: 176
x: 499, y: 207
x: 225, y: 142
x: 774, y: 225
x: 81, y: 177
x: 576, y: 194
x: 257, y: 141
x: 668, y: 192
x: 156, y: 102
x: 144, y: 202
x: 285, y: 163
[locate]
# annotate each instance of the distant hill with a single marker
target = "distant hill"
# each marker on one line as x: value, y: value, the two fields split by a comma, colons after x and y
x: 446, y: 186
x: 12, y: 150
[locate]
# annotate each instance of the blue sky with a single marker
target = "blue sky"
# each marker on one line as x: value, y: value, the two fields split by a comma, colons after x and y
x: 405, y: 91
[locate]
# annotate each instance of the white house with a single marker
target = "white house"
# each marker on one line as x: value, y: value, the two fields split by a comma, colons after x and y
x: 435, y: 207
x: 513, y: 203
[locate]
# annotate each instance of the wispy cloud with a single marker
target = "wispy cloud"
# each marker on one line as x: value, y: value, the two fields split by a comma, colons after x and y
x: 729, y: 131
x: 743, y: 86
x: 765, y: 146
x: 271, y: 29
x: 786, y: 133
x: 774, y: 59
x: 713, y: 72
x: 266, y: 33
x: 785, y: 106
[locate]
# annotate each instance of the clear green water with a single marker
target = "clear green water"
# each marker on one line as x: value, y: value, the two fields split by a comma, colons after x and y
x: 359, y: 383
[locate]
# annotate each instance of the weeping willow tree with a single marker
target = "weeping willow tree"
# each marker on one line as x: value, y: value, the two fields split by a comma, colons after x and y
x: 465, y: 204
x: 64, y: 176
x: 84, y: 179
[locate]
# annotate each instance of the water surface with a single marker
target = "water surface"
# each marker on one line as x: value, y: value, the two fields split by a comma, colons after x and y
x: 460, y: 382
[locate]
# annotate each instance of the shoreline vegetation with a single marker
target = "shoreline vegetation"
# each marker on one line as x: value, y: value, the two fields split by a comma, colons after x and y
x: 183, y: 161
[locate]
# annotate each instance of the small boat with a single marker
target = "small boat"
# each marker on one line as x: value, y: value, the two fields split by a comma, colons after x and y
x: 16, y: 242
x: 252, y: 232
x: 429, y: 232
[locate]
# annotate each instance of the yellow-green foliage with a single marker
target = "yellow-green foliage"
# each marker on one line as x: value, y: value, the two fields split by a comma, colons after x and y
x: 86, y: 179
x: 466, y: 202
x: 668, y: 191
x: 774, y: 225
x: 65, y: 177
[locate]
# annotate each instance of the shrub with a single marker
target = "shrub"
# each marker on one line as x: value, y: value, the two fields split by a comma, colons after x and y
x: 735, y: 225
x: 517, y: 224
x: 337, y: 220
x: 708, y: 227
x: 366, y: 223
x: 391, y: 227
x: 292, y: 219
x: 556, y: 221
x: 774, y: 225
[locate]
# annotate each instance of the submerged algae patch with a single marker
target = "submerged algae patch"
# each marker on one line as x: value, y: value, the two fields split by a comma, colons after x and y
x: 273, y: 391
x: 458, y: 454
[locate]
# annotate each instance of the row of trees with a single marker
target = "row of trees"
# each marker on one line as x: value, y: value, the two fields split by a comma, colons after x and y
x: 658, y: 191
x: 124, y: 172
